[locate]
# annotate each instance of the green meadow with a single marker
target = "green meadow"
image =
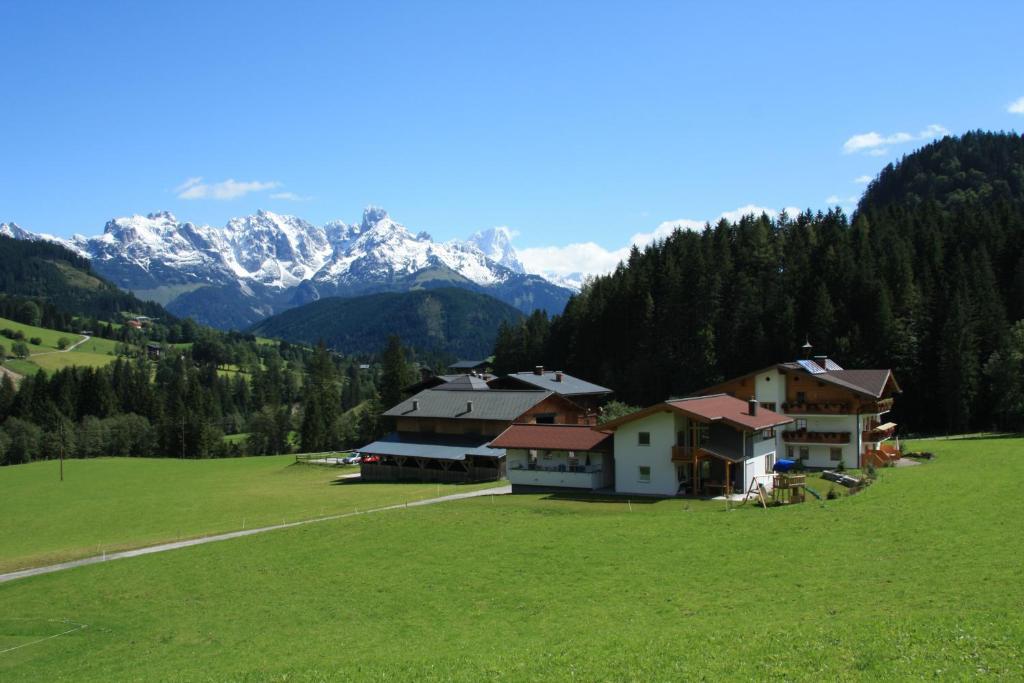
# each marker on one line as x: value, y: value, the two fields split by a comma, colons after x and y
x: 919, y: 576
x: 110, y: 504
x: 48, y: 337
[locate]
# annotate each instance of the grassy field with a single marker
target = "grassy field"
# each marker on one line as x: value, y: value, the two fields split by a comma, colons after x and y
x: 116, y: 503
x: 47, y: 336
x: 919, y: 576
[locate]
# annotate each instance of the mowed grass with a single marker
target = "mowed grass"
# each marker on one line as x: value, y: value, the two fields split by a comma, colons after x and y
x: 920, y: 576
x: 110, y: 504
x: 98, y: 346
x: 52, y: 362
x: 47, y: 336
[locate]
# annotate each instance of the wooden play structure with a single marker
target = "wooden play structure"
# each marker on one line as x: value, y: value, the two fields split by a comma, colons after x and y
x: 786, y: 488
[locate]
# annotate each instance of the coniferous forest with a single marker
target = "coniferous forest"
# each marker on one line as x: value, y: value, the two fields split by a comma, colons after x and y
x: 926, y: 278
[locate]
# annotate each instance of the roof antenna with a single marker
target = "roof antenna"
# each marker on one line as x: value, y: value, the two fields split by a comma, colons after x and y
x: 807, y: 348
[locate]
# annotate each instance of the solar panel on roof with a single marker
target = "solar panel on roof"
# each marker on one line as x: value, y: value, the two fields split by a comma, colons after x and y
x: 831, y: 365
x: 811, y: 367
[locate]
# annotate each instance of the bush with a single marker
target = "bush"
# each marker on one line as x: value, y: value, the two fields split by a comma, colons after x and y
x: 832, y: 494
x: 38, y: 341
x: 63, y: 343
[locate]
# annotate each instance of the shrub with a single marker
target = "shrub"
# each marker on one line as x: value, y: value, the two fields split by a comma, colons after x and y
x: 38, y: 341
x: 832, y: 494
x: 63, y: 343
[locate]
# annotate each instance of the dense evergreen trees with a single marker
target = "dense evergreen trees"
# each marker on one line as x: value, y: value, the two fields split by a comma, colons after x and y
x: 927, y: 278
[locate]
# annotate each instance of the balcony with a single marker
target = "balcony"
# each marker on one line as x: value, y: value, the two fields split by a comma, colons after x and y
x: 882, y: 405
x: 878, y: 433
x: 804, y: 436
x: 577, y: 478
x: 805, y: 408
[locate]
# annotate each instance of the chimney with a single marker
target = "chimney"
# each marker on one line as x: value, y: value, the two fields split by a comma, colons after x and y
x: 821, y: 360
x: 415, y: 404
x: 752, y: 406
x: 469, y: 406
x: 539, y: 370
x: 807, y: 348
x: 558, y: 376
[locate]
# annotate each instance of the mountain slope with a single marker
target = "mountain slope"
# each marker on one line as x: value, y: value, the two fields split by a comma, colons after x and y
x: 448, y: 319
x: 265, y: 263
x: 48, y: 271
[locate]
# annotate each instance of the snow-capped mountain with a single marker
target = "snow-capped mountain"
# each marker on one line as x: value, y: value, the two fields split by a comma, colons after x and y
x: 261, y: 264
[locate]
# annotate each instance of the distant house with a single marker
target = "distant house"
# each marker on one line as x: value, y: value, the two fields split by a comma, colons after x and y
x: 838, y: 415
x: 705, y: 445
x: 443, y: 434
x: 134, y: 324
x: 579, y: 391
x: 153, y: 350
x: 557, y: 457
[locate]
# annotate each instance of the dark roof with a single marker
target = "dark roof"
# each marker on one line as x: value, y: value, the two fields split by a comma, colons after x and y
x: 493, y: 404
x: 714, y: 408
x: 871, y: 382
x: 425, y: 446
x: 467, y: 364
x: 567, y: 386
x: 552, y: 437
x: 463, y: 383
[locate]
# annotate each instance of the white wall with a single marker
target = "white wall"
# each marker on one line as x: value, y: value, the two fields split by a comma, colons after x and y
x: 547, y: 474
x: 630, y: 456
x: 770, y: 387
x: 756, y: 467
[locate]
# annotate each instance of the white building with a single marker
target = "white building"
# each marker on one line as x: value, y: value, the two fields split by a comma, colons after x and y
x: 703, y: 445
x: 547, y: 456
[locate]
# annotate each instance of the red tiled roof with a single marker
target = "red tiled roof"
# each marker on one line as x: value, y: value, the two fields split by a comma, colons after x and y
x: 729, y: 409
x: 551, y: 437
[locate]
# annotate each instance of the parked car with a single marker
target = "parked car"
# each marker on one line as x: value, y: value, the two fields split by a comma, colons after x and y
x: 352, y: 460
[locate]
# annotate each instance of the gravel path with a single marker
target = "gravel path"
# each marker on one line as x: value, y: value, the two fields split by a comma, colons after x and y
x: 74, y: 346
x: 163, y: 547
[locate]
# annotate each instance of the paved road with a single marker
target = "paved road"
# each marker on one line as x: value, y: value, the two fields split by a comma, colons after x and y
x: 20, y: 574
x: 74, y: 346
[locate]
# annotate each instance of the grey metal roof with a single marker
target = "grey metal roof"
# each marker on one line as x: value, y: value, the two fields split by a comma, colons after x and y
x: 463, y: 383
x: 569, y: 386
x: 467, y: 364
x: 493, y: 404
x: 421, y: 446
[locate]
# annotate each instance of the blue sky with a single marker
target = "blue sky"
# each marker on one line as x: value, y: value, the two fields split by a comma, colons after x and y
x: 571, y: 123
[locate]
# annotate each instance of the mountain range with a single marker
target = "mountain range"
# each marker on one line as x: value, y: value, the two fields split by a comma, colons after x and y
x: 259, y: 265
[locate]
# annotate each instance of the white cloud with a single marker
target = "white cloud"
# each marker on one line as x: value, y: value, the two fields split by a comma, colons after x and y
x: 863, y: 179
x: 590, y: 258
x: 876, y: 144
x: 195, y: 188
x: 1017, y: 106
x: 290, y: 196
x: 835, y: 200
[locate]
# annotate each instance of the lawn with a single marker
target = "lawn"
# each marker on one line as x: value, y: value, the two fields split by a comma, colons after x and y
x: 52, y: 362
x: 109, y: 504
x: 48, y: 337
x: 98, y: 346
x: 919, y: 576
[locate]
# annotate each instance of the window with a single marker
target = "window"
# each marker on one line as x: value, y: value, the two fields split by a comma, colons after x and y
x: 789, y: 452
x: 805, y: 452
x: 801, y: 425
x: 769, y: 405
x: 545, y: 419
x: 644, y: 439
x: 801, y: 397
x: 835, y: 454
x: 768, y: 433
x: 644, y: 474
x: 769, y: 462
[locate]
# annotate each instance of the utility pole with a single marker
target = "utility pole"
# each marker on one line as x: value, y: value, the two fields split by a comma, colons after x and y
x: 183, y: 436
x: 62, y: 450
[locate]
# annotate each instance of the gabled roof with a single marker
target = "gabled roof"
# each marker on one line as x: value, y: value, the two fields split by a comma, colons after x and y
x: 425, y: 446
x: 467, y: 364
x: 464, y: 383
x: 552, y: 437
x: 871, y: 382
x: 493, y: 404
x: 566, y: 386
x: 714, y: 408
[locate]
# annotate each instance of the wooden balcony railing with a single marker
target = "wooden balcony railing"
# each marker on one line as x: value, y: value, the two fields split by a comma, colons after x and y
x: 823, y: 408
x: 880, y: 406
x: 804, y: 436
x: 879, y: 433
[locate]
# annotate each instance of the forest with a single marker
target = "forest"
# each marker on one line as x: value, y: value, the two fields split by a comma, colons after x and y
x: 926, y: 278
